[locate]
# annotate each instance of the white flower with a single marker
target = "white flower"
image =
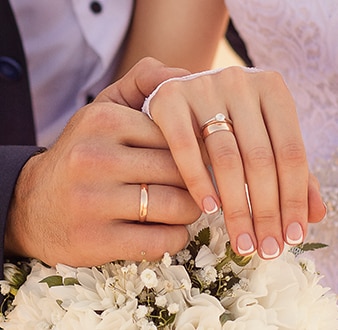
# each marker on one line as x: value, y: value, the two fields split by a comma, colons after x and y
x: 149, y: 278
x: 183, y: 256
x: 279, y: 293
x: 308, y: 265
x: 121, y: 318
x: 13, y: 274
x: 130, y: 270
x: 166, y: 260
x: 5, y: 287
x: 209, y: 274
x: 173, y: 308
x: 205, y: 257
x: 146, y: 325
x: 168, y: 286
x: 141, y: 312
x: 203, y: 313
x: 161, y: 301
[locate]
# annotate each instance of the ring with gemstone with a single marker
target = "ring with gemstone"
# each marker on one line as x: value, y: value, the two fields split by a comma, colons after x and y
x: 218, y: 123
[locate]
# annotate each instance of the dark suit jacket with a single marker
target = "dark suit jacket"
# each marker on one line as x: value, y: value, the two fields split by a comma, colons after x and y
x: 17, y: 140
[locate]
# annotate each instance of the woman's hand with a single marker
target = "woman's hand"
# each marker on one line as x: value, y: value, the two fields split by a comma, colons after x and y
x: 265, y: 151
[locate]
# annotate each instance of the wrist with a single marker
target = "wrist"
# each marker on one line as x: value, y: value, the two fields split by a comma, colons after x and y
x: 18, y: 230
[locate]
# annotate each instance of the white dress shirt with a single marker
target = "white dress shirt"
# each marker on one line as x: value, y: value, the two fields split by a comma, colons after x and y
x: 72, y: 48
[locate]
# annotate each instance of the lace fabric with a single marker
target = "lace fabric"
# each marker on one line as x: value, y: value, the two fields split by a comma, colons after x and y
x: 299, y: 40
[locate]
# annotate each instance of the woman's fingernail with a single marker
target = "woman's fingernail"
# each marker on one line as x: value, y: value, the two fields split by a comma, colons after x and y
x: 245, y: 244
x: 270, y: 248
x: 294, y: 233
x: 209, y: 205
x: 325, y: 206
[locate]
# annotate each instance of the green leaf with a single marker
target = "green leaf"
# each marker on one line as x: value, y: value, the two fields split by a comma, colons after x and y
x: 54, y: 280
x: 312, y: 246
x: 226, y: 316
x: 204, y: 236
x: 301, y: 248
x: 70, y: 281
x: 237, y: 259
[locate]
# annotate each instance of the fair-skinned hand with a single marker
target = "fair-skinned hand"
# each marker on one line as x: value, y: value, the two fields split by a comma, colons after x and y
x: 78, y: 203
x: 266, y: 151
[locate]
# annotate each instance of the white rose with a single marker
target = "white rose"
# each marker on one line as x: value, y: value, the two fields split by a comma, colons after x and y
x: 79, y: 319
x: 203, y: 313
x: 280, y: 294
x: 118, y: 318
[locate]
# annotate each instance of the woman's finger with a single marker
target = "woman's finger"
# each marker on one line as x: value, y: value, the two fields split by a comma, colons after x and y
x: 173, y: 115
x: 282, y: 124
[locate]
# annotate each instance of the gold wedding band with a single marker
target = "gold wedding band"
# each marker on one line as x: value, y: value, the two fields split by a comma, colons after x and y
x: 144, y: 199
x: 215, y: 124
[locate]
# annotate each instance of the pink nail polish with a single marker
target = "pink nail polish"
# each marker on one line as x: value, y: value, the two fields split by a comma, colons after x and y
x: 294, y: 233
x: 245, y: 244
x: 270, y: 248
x: 209, y: 205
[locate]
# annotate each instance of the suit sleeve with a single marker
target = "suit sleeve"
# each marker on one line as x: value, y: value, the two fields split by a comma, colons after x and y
x: 12, y: 159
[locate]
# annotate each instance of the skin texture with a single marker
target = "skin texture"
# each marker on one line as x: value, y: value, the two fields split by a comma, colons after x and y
x: 78, y: 202
x: 262, y: 153
x: 182, y: 34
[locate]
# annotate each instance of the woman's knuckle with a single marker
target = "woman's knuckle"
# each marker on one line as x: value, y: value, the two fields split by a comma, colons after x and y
x: 293, y: 154
x: 233, y: 216
x: 266, y: 217
x: 260, y: 157
x: 226, y: 157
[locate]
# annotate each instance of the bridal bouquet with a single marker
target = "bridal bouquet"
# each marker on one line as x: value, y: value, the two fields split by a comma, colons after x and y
x: 205, y: 286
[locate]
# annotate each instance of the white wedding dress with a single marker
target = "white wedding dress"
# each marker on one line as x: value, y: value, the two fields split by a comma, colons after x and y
x: 299, y: 39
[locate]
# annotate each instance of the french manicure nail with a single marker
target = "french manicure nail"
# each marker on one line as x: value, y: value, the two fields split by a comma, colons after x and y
x: 325, y: 206
x: 209, y: 205
x: 294, y: 233
x: 270, y: 248
x: 245, y: 244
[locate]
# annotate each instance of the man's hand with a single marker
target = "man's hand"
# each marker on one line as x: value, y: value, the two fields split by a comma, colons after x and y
x: 78, y: 203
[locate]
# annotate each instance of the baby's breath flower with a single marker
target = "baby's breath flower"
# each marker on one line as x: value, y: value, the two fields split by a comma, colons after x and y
x: 129, y: 269
x: 166, y: 260
x: 201, y: 289
x: 183, y: 256
x: 173, y: 308
x: 5, y: 287
x: 141, y: 312
x: 160, y: 301
x: 209, y: 274
x: 149, y: 278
